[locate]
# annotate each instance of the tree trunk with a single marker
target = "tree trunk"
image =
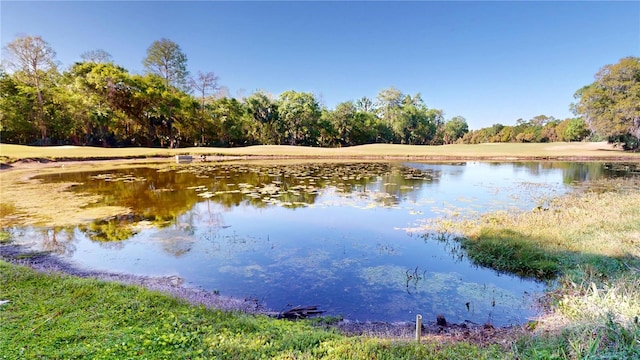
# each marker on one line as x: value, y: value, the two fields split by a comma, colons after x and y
x: 41, y: 123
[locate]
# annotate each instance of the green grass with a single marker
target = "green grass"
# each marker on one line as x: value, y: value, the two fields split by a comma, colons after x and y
x: 503, y: 151
x: 5, y: 237
x: 509, y: 251
x: 60, y: 317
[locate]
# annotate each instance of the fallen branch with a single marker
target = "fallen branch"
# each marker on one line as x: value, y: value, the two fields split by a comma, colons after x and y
x: 297, y: 312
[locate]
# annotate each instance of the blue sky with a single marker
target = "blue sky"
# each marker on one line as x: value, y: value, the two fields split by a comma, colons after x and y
x: 491, y: 62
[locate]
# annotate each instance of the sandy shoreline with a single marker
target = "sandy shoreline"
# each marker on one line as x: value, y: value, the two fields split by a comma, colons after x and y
x: 20, y: 157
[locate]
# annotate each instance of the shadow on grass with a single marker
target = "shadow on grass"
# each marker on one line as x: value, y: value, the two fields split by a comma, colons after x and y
x: 510, y: 251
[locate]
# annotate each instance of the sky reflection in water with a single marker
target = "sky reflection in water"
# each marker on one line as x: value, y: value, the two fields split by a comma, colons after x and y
x: 315, y: 234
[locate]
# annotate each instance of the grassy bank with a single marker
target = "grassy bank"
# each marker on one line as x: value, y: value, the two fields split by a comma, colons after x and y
x: 62, y: 317
x: 503, y: 151
x: 590, y: 244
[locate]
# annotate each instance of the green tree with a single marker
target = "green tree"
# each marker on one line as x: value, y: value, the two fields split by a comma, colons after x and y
x: 454, y: 129
x: 574, y: 129
x: 299, y: 113
x: 186, y: 122
x: 148, y: 107
x: 263, y: 109
x: 230, y: 123
x: 166, y: 59
x: 326, y: 134
x: 100, y: 99
x: 370, y: 127
x: 417, y: 124
x: 15, y: 124
x: 611, y: 104
x: 342, y: 119
x: 163, y: 107
x: 408, y: 118
x: 494, y: 133
x: 506, y: 134
x: 364, y: 104
x: 33, y: 61
x: 388, y: 101
x: 70, y: 112
x: 529, y: 134
x: 78, y: 103
x: 388, y: 109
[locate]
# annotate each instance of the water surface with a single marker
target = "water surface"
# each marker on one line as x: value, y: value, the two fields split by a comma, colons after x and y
x: 332, y: 235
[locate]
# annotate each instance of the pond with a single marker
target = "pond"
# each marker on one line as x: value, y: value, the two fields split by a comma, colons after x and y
x: 333, y: 235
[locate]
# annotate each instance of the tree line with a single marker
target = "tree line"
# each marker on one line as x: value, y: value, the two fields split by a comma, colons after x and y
x: 97, y: 102
x: 541, y: 128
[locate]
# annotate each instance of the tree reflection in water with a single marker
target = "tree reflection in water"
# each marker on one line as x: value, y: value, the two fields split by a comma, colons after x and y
x: 159, y: 197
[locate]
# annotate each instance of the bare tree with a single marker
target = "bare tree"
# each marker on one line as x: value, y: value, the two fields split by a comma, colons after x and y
x: 223, y: 92
x: 204, y: 83
x: 96, y: 56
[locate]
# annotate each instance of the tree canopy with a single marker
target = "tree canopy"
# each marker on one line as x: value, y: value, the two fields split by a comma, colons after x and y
x: 97, y: 102
x: 611, y: 104
x: 166, y: 59
x: 33, y: 60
